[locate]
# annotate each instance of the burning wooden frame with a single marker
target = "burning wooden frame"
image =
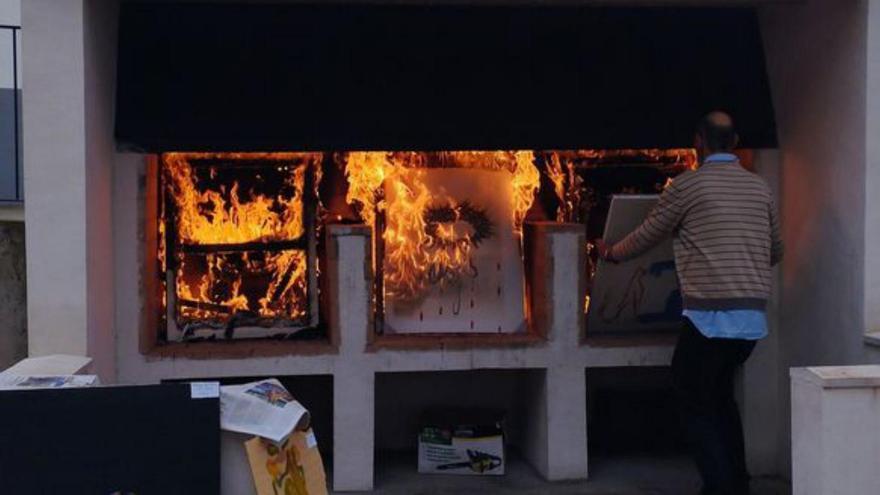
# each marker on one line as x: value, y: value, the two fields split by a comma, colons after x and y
x: 237, y: 244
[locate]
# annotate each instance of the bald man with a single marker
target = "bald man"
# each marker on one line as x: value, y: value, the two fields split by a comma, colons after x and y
x: 725, y: 231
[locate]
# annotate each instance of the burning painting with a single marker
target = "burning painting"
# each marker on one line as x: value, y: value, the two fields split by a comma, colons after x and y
x: 237, y: 243
x: 448, y: 237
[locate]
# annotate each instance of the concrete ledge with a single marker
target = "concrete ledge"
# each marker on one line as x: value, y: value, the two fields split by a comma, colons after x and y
x: 835, y: 419
x: 11, y: 213
x: 839, y: 376
x: 872, y: 338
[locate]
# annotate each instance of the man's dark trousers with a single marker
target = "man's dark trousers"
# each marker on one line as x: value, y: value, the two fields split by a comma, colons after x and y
x: 703, y: 371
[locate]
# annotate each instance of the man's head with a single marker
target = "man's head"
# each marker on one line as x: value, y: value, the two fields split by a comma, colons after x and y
x: 715, y: 134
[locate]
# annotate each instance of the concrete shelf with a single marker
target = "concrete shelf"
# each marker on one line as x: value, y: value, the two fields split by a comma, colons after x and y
x: 557, y: 442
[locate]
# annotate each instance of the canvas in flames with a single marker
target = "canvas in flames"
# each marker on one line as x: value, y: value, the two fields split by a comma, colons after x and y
x: 237, y: 244
x: 448, y: 243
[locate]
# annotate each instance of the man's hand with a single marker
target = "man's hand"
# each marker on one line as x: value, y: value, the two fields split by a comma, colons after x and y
x: 603, y: 250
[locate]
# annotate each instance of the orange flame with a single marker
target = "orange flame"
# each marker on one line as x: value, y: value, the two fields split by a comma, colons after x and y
x: 562, y: 168
x: 211, y: 284
x: 417, y: 257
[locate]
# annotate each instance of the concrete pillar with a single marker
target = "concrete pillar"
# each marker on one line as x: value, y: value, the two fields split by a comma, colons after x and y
x: 353, y: 429
x: 54, y: 149
x: 354, y: 390
x: 566, y: 424
x: 835, y: 430
x: 555, y: 442
x: 67, y: 119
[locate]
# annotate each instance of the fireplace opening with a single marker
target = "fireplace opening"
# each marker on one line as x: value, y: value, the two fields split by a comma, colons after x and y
x: 237, y: 244
x: 584, y: 183
x: 237, y: 236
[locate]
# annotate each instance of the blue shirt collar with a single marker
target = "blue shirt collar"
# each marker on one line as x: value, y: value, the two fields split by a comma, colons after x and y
x: 721, y: 158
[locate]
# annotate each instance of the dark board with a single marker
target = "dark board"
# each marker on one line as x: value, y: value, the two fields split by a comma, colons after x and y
x: 428, y: 77
x: 145, y: 440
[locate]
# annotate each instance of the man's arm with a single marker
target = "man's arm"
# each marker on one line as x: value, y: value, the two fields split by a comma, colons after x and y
x: 660, y: 224
x: 776, y: 247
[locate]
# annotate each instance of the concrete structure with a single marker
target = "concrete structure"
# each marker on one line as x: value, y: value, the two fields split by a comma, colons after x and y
x: 85, y: 243
x: 835, y: 429
x: 821, y: 57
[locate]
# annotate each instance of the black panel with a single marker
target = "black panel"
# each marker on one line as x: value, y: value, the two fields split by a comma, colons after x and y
x: 205, y: 76
x: 144, y: 440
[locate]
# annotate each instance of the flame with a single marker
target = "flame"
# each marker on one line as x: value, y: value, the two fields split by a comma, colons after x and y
x: 566, y: 185
x: 211, y: 284
x: 207, y: 217
x: 419, y: 254
x: 665, y: 159
x: 562, y: 166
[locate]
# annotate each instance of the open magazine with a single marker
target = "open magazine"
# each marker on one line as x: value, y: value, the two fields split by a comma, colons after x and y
x: 263, y: 408
x: 9, y: 381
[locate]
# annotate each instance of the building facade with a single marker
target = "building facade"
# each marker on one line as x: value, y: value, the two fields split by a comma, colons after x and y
x: 85, y: 247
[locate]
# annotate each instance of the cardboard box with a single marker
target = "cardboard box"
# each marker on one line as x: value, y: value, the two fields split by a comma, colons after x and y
x: 462, y: 442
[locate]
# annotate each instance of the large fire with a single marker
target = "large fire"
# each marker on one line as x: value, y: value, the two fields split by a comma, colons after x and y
x: 429, y: 244
x: 238, y: 248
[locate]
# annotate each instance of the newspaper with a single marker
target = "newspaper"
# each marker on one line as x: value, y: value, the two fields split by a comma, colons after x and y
x: 55, y: 364
x: 9, y: 381
x: 263, y: 408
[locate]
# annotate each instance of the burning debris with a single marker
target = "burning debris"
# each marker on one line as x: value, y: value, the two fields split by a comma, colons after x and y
x: 236, y: 244
x: 238, y: 231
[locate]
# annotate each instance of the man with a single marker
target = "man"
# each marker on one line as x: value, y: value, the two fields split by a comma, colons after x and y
x: 726, y: 238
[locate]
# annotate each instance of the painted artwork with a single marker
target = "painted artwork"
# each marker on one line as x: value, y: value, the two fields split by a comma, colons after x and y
x: 292, y: 468
x: 468, y: 273
x: 271, y: 392
x: 640, y: 295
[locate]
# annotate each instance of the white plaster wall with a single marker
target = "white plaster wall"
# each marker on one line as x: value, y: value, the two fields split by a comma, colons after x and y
x: 68, y: 141
x: 10, y: 12
x: 763, y: 376
x: 53, y: 116
x: 872, y: 173
x: 100, y: 73
x: 817, y: 59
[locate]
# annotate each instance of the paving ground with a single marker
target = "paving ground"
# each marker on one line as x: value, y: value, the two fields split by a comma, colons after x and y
x: 622, y: 476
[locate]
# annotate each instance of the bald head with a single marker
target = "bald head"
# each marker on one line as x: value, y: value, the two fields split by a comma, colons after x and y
x: 716, y: 133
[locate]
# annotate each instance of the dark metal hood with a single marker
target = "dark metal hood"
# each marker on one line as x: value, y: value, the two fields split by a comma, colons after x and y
x: 380, y: 77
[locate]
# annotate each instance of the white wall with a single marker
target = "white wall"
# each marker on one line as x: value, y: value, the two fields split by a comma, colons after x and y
x: 54, y: 181
x: 872, y: 173
x: 10, y: 12
x: 67, y: 117
x: 817, y: 58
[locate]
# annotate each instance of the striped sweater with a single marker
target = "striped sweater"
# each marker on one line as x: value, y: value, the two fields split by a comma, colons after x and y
x: 726, y: 236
